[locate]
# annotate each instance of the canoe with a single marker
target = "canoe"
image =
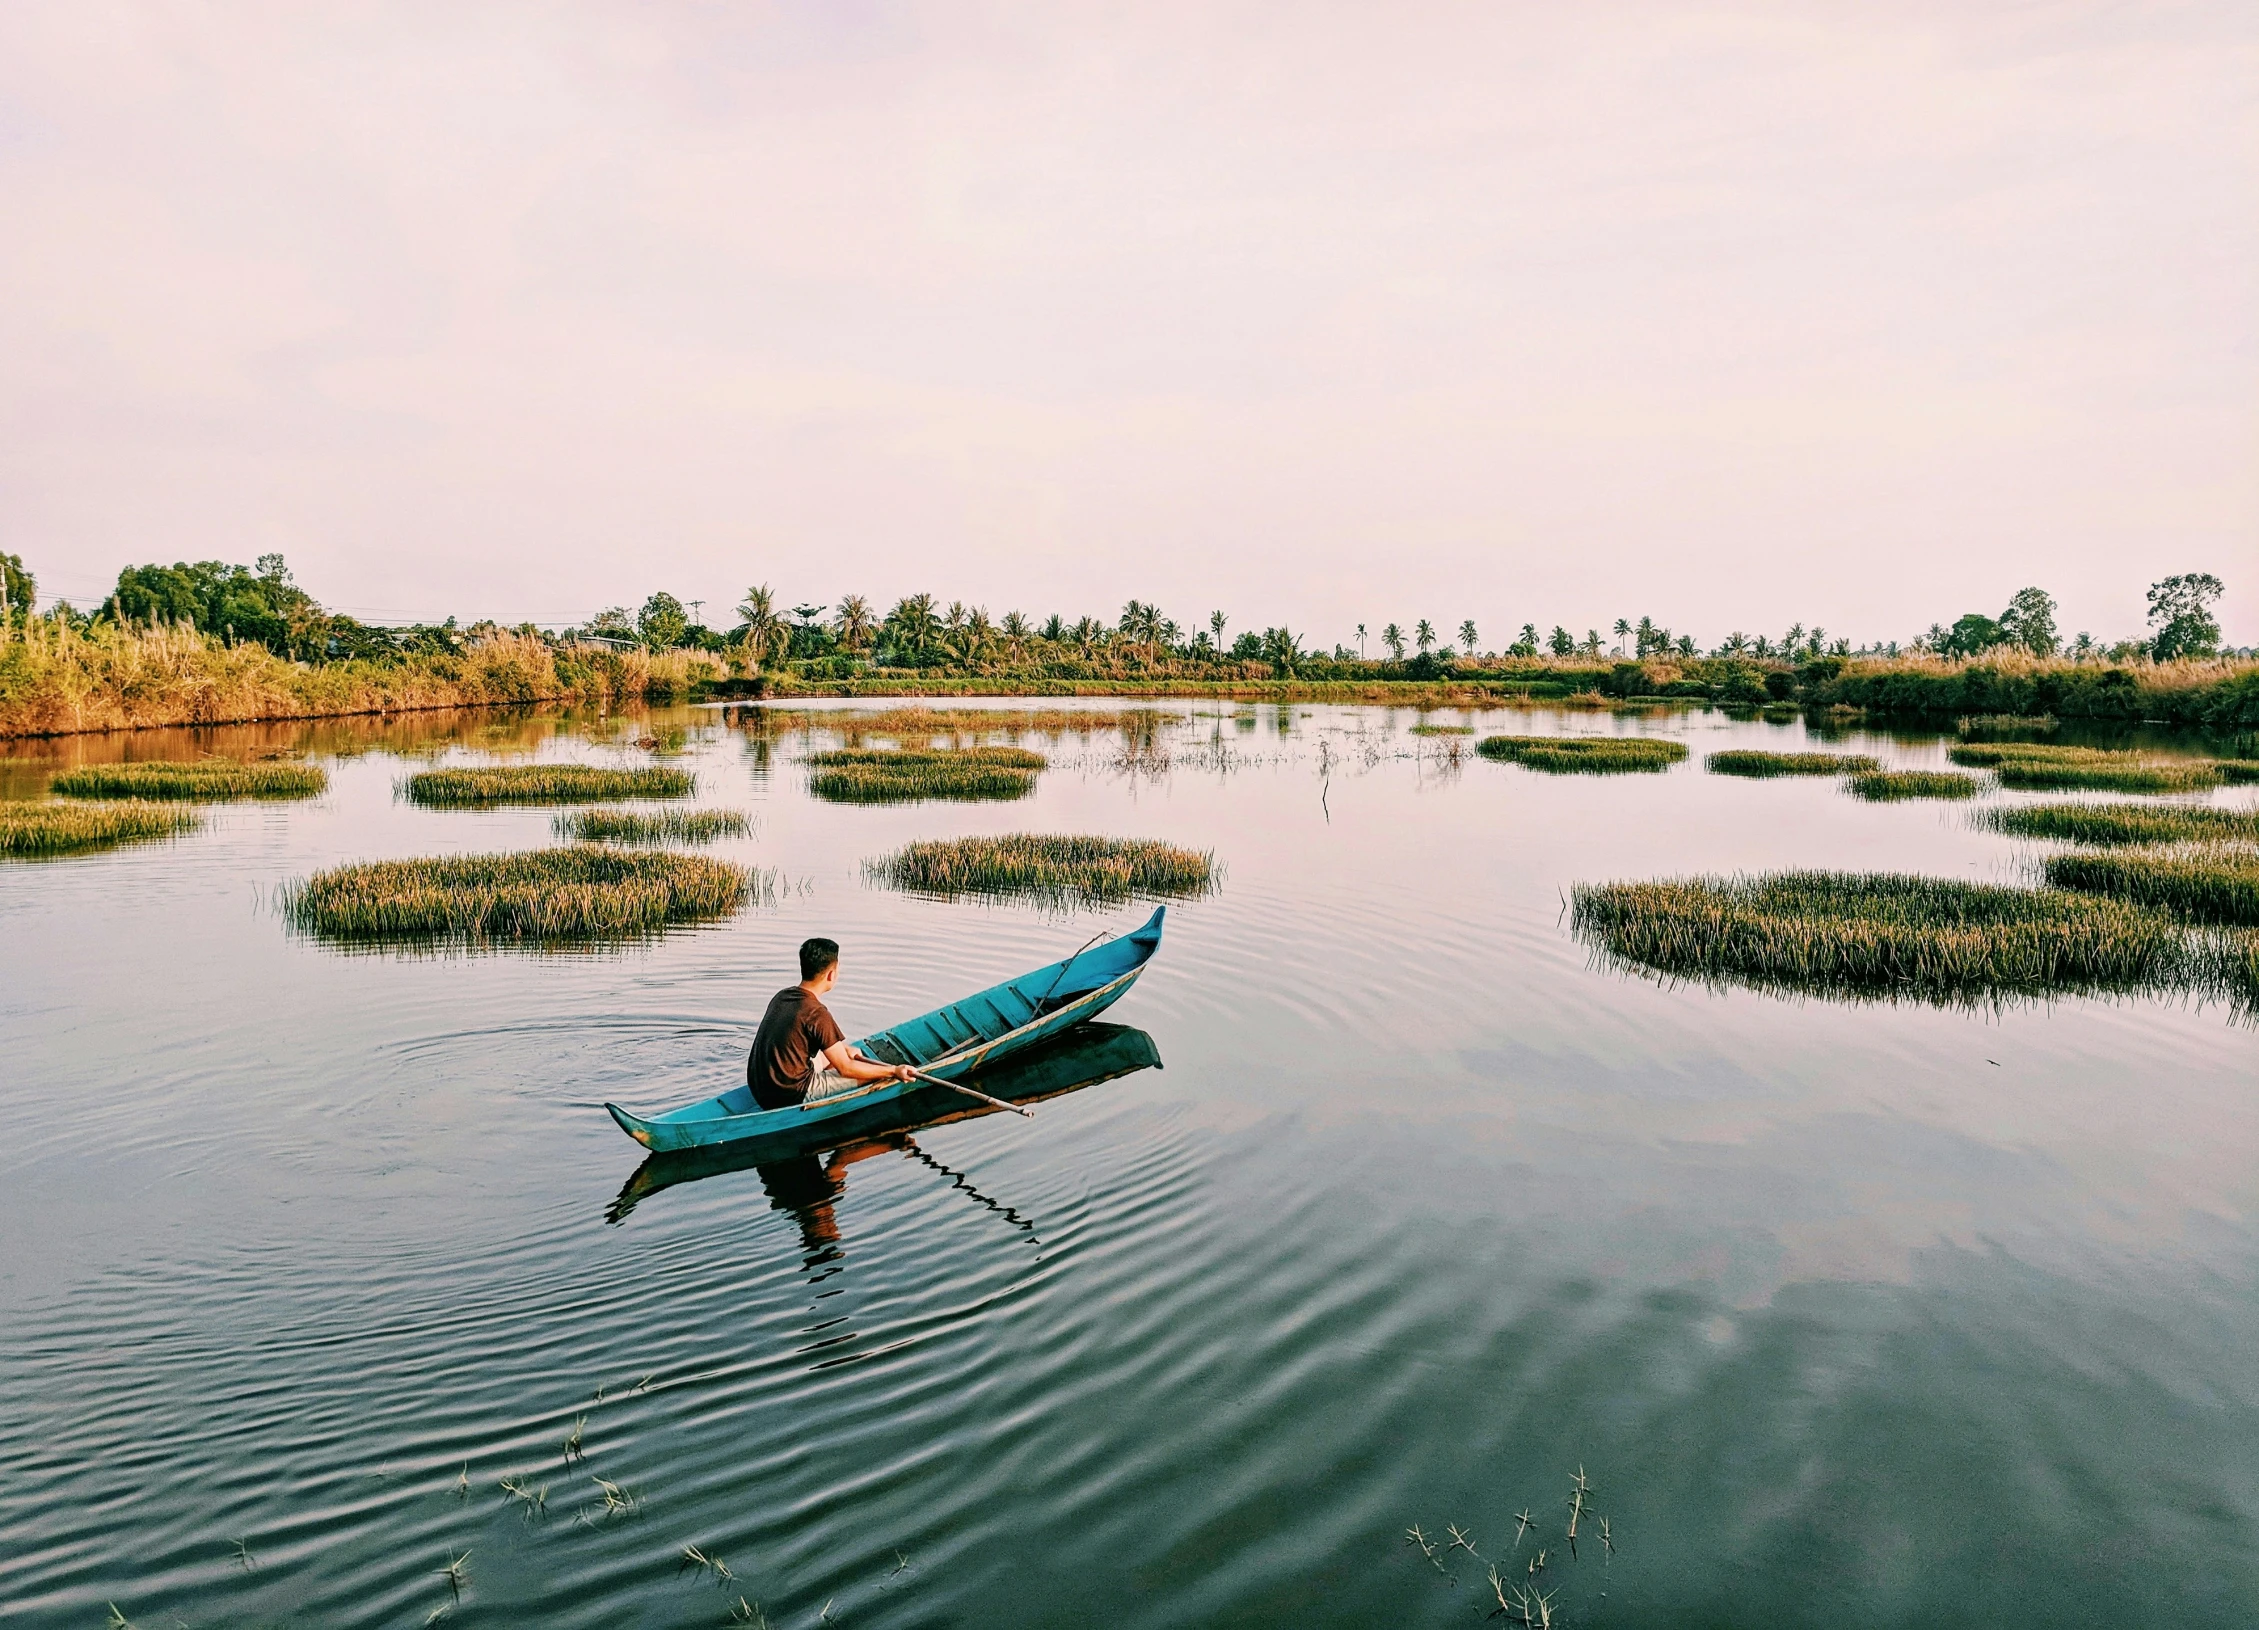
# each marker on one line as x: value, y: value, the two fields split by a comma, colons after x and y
x: 1084, y: 1057
x: 951, y: 1042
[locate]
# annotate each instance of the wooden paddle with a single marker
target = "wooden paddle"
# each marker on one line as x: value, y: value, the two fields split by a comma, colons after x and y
x: 959, y: 1086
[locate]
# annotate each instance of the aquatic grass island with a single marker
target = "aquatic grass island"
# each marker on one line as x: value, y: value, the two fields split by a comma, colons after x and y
x: 1057, y: 868
x: 49, y: 830
x: 1895, y: 786
x: 872, y: 775
x: 588, y: 892
x: 2199, y: 882
x: 2106, y: 824
x: 1885, y: 935
x: 541, y: 784
x: 1752, y: 761
x: 209, y: 781
x: 1584, y: 755
x: 641, y: 827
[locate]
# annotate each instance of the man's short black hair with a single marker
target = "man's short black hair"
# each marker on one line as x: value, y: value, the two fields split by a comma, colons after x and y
x: 816, y: 956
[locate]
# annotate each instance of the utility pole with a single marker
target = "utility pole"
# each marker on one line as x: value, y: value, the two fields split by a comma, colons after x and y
x: 696, y: 608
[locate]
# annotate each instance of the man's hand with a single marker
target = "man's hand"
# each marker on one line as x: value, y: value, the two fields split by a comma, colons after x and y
x: 903, y: 1072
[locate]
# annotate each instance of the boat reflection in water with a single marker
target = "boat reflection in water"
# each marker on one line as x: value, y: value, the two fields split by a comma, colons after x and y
x: 805, y: 1173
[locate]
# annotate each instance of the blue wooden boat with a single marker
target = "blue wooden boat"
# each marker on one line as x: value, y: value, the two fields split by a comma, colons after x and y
x: 950, y: 1042
x: 1084, y: 1057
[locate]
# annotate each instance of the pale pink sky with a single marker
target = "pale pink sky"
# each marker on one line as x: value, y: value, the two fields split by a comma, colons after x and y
x: 1731, y: 315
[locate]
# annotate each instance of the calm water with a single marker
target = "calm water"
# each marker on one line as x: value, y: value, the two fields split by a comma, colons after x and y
x: 1854, y: 1315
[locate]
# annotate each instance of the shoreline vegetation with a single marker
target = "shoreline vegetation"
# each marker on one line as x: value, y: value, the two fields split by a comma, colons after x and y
x: 61, y: 678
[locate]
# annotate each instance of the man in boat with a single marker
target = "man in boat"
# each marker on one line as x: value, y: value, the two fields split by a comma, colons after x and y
x: 798, y: 1031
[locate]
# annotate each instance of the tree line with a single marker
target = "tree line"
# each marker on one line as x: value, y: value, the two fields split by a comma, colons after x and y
x: 262, y: 603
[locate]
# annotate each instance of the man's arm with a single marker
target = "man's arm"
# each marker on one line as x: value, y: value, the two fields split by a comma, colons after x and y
x: 842, y: 1057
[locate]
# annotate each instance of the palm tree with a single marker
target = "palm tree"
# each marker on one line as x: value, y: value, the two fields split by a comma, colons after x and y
x: 1528, y: 640
x: 1282, y: 650
x: 1592, y: 642
x: 1423, y: 635
x: 1792, y: 639
x: 1015, y: 629
x: 1393, y: 637
x: 764, y: 629
x: 1818, y: 642
x: 1643, y: 636
x: 1360, y: 642
x: 1467, y: 635
x: 1623, y: 628
x: 1216, y: 627
x: 1736, y: 643
x: 854, y: 622
x: 911, y: 626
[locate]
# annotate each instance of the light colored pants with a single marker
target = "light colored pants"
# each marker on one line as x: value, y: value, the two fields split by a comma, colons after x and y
x: 829, y: 1083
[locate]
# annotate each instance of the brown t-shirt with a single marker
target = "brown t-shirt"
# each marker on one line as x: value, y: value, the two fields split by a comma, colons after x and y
x: 796, y: 1028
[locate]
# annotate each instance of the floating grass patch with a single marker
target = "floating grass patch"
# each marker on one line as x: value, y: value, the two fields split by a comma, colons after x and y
x: 663, y: 826
x: 1590, y: 755
x: 1878, y: 934
x: 1891, y: 786
x: 2108, y: 824
x: 2202, y: 882
x: 2237, y: 771
x: 1063, y: 869
x: 904, y: 758
x: 878, y: 776
x: 209, y: 781
x: 1749, y: 761
x: 39, y: 831
x: 1443, y: 730
x: 2006, y: 726
x: 541, y: 784
x: 586, y: 892
x: 2043, y: 767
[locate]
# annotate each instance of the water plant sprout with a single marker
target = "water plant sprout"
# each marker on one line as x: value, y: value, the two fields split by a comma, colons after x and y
x: 1751, y: 761
x: 1059, y: 868
x: 1880, y: 934
x: 1893, y: 786
x: 206, y: 781
x: 41, y: 831
x: 662, y: 826
x: 587, y: 892
x: 1584, y: 754
x: 541, y: 784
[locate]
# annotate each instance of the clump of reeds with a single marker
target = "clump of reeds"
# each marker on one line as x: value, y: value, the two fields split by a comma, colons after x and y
x: 2107, y: 824
x: 2043, y: 767
x: 1443, y: 730
x: 877, y: 776
x: 1879, y: 934
x: 664, y: 826
x: 1591, y: 755
x: 2007, y: 726
x: 1060, y: 868
x: 541, y: 784
x: 924, y: 723
x: 582, y: 893
x: 2202, y: 882
x: 1890, y: 786
x: 44, y: 830
x: 207, y: 781
x: 1750, y: 761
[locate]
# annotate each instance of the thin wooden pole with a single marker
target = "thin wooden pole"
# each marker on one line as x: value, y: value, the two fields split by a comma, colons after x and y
x: 959, y: 1086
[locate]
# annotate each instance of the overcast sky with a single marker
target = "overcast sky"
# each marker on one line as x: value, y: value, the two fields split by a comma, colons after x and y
x: 1731, y: 315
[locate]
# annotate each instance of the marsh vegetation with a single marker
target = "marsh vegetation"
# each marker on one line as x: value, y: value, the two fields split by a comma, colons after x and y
x: 1878, y: 934
x: 660, y: 826
x: 1058, y: 868
x: 210, y: 781
x: 2105, y: 824
x: 1753, y: 762
x: 587, y: 892
x: 2045, y: 767
x: 2200, y: 882
x: 1584, y: 755
x: 38, y: 831
x: 865, y: 775
x: 1893, y: 786
x: 541, y: 784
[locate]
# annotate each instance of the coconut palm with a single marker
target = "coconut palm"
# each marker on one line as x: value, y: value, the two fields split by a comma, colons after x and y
x: 764, y: 628
x: 1360, y: 642
x: 911, y: 626
x: 1216, y: 627
x: 1423, y: 635
x: 1622, y: 632
x: 1282, y: 650
x: 1467, y: 635
x: 1592, y: 642
x: 1393, y: 638
x: 854, y: 622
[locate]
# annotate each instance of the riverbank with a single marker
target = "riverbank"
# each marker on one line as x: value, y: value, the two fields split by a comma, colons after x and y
x: 62, y: 681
